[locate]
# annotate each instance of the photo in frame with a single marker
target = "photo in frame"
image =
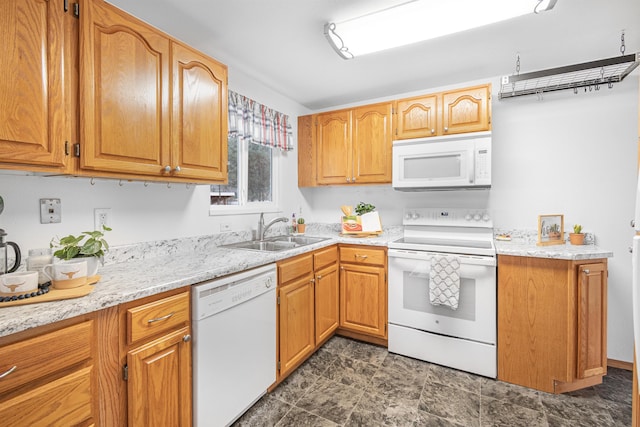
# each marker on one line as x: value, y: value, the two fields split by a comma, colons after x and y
x: 550, y: 230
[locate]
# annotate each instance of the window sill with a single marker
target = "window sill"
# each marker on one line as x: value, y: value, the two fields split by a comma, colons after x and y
x: 219, y: 210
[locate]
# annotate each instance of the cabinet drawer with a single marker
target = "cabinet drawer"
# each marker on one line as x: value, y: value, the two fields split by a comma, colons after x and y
x: 45, y: 354
x: 159, y: 316
x: 325, y: 257
x: 295, y: 267
x: 62, y: 402
x: 361, y: 255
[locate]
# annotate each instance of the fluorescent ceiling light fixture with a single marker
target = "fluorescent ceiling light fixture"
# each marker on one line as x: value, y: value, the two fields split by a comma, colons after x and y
x: 419, y: 20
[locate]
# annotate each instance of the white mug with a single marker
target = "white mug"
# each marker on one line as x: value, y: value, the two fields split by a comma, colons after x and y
x: 67, y: 274
x: 21, y: 282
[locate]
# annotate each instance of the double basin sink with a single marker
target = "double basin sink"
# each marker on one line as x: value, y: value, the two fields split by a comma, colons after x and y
x: 276, y: 244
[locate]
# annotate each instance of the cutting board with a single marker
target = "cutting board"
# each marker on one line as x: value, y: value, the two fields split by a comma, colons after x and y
x: 57, y: 294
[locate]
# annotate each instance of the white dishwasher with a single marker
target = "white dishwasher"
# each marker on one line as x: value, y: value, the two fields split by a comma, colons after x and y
x: 234, y: 353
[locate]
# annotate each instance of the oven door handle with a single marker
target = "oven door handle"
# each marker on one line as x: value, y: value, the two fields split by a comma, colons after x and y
x: 426, y: 256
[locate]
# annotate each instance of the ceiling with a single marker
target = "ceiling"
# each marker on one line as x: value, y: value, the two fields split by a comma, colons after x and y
x: 281, y: 44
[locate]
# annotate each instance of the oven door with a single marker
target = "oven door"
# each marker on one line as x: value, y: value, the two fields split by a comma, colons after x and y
x: 409, y: 305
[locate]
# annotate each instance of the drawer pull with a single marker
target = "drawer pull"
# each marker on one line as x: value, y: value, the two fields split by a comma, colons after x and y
x: 8, y: 372
x: 362, y: 256
x: 158, y: 319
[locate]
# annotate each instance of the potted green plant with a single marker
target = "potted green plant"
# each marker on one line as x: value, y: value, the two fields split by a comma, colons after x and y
x: 89, y: 244
x: 301, y: 226
x: 577, y: 237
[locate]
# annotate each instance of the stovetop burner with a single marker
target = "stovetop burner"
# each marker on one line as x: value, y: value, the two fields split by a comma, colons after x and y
x: 457, y: 231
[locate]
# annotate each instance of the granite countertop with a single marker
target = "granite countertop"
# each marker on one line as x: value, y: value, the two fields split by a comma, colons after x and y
x: 137, y: 271
x: 565, y: 251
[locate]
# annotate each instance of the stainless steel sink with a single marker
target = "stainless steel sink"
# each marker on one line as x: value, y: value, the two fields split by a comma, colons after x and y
x: 276, y: 244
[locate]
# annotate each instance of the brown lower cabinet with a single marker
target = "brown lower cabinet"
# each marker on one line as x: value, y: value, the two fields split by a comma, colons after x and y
x: 307, y: 306
x: 363, y: 291
x: 124, y: 365
x: 49, y: 379
x: 552, y: 322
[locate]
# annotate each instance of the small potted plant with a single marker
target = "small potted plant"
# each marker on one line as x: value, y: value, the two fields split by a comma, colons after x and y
x: 90, y: 245
x: 577, y: 237
x: 301, y: 226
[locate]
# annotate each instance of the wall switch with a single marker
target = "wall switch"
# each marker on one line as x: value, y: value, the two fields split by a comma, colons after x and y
x: 225, y: 226
x: 100, y: 218
x: 50, y: 211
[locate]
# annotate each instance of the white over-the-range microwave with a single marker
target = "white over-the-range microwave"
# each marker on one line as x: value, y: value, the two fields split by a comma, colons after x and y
x: 442, y: 163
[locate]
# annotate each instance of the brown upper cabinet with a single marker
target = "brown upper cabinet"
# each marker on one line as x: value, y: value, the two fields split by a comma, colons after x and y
x: 149, y: 105
x: 447, y: 113
x: 354, y: 146
x: 128, y: 100
x: 346, y: 147
x: 34, y: 89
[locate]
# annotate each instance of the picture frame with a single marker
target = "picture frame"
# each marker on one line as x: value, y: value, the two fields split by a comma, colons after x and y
x: 550, y: 229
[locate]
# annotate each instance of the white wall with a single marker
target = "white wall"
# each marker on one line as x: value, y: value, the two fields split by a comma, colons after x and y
x: 566, y: 154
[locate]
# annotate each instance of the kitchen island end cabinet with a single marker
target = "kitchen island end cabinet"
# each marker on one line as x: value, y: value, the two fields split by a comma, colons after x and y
x: 552, y: 322
x: 363, y: 293
x: 307, y: 306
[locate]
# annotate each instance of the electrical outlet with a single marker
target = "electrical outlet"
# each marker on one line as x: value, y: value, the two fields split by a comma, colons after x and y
x: 100, y: 218
x: 225, y: 226
x: 50, y: 211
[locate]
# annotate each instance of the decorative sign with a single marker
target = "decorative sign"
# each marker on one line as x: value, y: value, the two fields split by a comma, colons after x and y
x: 550, y: 230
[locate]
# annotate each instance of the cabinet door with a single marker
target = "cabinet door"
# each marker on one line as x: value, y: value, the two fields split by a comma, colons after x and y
x: 592, y: 320
x: 199, y: 119
x: 306, y: 151
x: 124, y: 93
x: 296, y: 327
x: 372, y: 133
x: 333, y: 148
x: 466, y: 110
x: 65, y: 401
x: 416, y: 117
x: 327, y: 302
x: 363, y: 299
x: 35, y: 76
x: 159, y: 385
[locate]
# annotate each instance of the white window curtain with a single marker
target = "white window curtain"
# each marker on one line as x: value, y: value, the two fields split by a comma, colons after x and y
x: 258, y: 124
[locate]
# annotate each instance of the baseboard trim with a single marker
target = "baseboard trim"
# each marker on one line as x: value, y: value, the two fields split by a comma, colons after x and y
x: 620, y: 364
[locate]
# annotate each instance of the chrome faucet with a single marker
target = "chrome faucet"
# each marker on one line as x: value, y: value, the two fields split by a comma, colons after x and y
x: 263, y: 228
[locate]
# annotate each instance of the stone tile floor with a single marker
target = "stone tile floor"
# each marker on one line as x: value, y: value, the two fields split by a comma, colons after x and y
x: 351, y: 383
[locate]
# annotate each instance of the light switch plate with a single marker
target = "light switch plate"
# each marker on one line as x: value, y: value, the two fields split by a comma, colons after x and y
x: 50, y: 211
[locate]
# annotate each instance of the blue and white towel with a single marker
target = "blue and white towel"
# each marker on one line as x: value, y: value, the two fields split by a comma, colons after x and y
x: 444, y: 281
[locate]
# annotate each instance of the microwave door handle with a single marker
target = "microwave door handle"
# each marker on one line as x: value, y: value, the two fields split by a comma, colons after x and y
x: 472, y: 168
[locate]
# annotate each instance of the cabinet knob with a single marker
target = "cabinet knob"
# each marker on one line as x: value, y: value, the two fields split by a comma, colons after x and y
x: 433, y: 131
x: 586, y: 271
x: 177, y: 169
x: 348, y: 179
x: 8, y: 372
x: 186, y: 338
x: 446, y: 129
x: 354, y: 179
x: 633, y: 223
x: 318, y: 277
x: 167, y: 168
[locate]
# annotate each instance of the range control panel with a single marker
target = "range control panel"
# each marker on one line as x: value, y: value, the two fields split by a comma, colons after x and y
x: 451, y: 217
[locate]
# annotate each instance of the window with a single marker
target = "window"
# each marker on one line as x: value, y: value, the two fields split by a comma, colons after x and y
x: 252, y: 178
x: 257, y: 134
